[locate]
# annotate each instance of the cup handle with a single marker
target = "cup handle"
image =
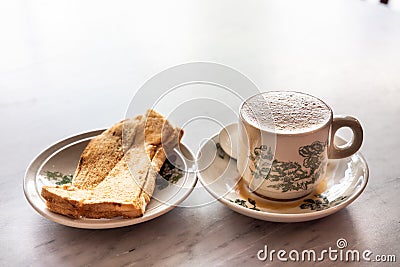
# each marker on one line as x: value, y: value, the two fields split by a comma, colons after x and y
x: 352, y: 147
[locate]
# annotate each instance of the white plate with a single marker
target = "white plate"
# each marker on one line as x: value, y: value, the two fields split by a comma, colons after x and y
x: 63, y: 158
x: 344, y: 182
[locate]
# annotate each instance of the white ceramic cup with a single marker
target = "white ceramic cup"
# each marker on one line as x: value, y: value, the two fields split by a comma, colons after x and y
x: 288, y: 161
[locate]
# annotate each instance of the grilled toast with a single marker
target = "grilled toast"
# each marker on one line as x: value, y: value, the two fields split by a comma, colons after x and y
x: 108, y: 182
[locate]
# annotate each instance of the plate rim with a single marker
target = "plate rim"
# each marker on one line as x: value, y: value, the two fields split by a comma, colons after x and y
x: 287, y: 217
x: 36, y: 163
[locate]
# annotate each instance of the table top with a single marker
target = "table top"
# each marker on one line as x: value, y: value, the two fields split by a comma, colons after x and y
x: 73, y: 66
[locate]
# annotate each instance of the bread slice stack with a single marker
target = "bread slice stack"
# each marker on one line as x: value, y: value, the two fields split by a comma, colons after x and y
x: 117, y: 170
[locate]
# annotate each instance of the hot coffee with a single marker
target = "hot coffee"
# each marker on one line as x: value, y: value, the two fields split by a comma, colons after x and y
x: 285, y: 112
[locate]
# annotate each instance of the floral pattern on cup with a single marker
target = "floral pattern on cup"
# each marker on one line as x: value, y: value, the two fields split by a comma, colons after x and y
x: 289, y: 176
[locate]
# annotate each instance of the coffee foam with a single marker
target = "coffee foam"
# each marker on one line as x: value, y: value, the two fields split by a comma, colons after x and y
x: 285, y: 112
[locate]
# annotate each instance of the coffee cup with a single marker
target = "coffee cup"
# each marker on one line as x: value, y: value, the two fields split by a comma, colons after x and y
x: 285, y: 140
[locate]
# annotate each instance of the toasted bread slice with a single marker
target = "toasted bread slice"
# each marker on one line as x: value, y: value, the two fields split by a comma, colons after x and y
x: 117, y: 195
x: 127, y: 188
x: 103, y: 153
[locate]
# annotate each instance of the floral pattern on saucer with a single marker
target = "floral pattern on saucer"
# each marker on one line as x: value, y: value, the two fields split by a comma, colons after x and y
x: 58, y: 178
x: 169, y: 174
x: 321, y: 202
x: 243, y: 203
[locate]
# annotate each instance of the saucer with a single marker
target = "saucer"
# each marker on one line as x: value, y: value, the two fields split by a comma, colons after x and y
x: 226, y: 135
x: 56, y: 164
x: 344, y: 181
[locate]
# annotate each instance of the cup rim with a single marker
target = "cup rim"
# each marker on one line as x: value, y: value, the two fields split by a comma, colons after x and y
x: 277, y: 132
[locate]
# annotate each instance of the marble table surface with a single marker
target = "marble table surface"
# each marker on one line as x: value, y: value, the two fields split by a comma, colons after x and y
x: 73, y: 66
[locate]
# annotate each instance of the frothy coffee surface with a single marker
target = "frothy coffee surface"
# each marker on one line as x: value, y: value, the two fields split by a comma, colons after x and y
x: 285, y: 112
